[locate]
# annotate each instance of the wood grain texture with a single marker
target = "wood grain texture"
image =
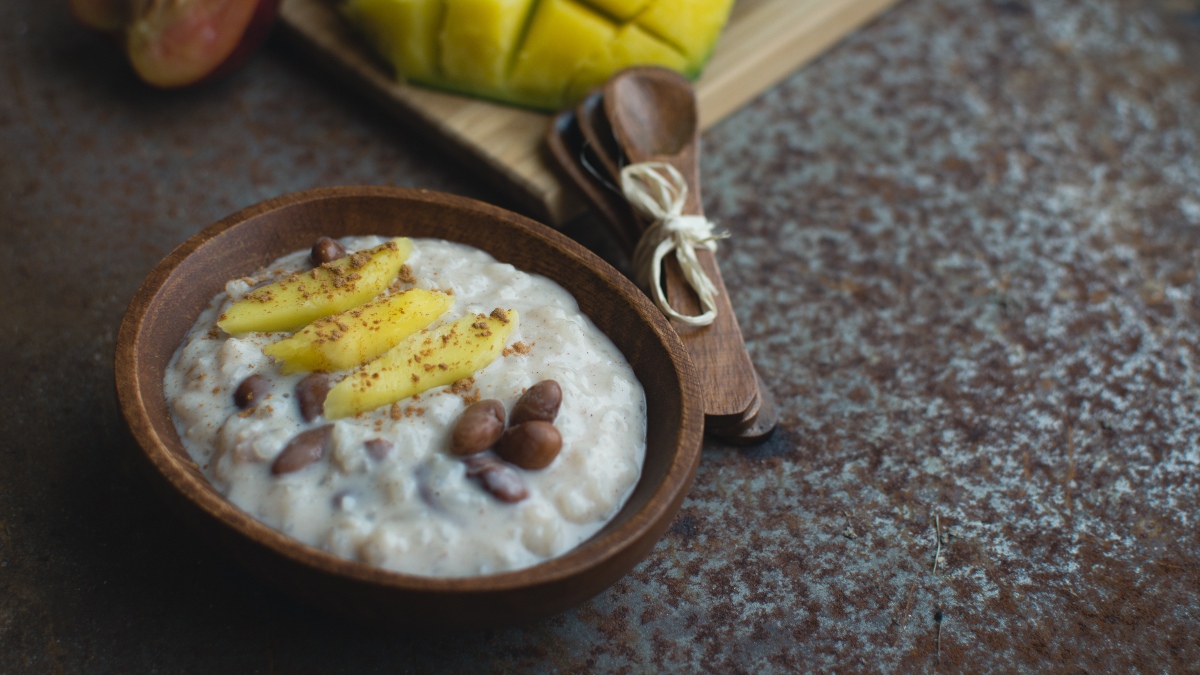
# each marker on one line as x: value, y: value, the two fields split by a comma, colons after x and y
x: 763, y: 42
x: 174, y: 293
x: 653, y: 113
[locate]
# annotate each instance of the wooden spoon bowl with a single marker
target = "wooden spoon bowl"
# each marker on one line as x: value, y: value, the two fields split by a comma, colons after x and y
x: 168, y: 302
x: 653, y: 115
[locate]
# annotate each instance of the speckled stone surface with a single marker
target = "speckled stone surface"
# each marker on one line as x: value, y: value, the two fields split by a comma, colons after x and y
x: 965, y: 258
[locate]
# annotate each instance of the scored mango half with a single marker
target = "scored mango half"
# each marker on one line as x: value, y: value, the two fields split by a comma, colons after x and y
x: 351, y: 338
x: 537, y: 53
x: 304, y: 297
x: 429, y: 359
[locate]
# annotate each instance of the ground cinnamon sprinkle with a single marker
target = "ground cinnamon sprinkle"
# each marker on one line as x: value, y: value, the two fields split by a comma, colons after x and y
x: 406, y: 275
x: 517, y: 348
x: 500, y: 315
x: 396, y: 412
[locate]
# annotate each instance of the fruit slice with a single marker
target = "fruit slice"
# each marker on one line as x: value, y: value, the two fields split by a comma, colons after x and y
x: 536, y: 53
x: 353, y: 337
x: 403, y: 32
x: 431, y: 358
x: 182, y: 42
x: 173, y: 43
x: 632, y: 46
x: 690, y: 26
x: 305, y: 297
x: 622, y: 10
x: 478, y: 38
x: 562, y: 36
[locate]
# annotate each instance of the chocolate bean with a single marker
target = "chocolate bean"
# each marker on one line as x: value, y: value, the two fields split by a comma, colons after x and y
x: 304, y: 449
x: 532, y: 445
x: 499, y: 479
x: 311, y: 393
x: 539, y: 402
x: 379, y: 448
x: 326, y: 250
x: 251, y: 391
x: 478, y: 429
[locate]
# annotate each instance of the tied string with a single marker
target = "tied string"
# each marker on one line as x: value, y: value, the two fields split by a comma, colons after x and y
x: 658, y: 191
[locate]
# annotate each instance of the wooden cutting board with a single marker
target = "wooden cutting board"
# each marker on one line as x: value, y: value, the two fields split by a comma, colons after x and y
x: 763, y: 42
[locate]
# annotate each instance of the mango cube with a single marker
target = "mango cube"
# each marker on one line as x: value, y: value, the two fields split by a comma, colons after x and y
x: 536, y: 53
x: 562, y: 35
x: 402, y: 32
x: 429, y: 359
x: 477, y: 40
x: 305, y: 297
x: 351, y: 338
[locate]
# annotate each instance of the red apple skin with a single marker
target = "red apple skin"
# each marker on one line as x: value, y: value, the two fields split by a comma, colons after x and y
x: 208, y: 39
x: 256, y: 33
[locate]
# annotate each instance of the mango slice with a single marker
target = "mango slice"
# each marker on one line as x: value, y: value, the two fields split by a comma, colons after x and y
x: 429, y: 359
x: 403, y: 32
x: 622, y: 10
x: 631, y: 46
x: 305, y: 297
x: 351, y: 338
x: 478, y: 38
x: 688, y: 25
x: 562, y: 35
x: 536, y: 53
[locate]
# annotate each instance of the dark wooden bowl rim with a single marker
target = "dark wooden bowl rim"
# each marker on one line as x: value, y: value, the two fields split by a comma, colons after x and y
x: 187, y: 481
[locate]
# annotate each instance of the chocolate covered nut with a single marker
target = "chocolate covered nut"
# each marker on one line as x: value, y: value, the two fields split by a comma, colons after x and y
x: 311, y: 393
x: 326, y: 250
x: 478, y: 429
x: 499, y: 479
x: 532, y: 445
x: 251, y: 391
x: 379, y: 448
x: 539, y: 402
x: 304, y: 449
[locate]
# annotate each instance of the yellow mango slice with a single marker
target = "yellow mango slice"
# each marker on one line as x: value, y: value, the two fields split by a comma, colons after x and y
x: 632, y: 46
x: 305, y: 297
x: 402, y: 32
x: 429, y: 359
x: 478, y: 38
x: 691, y: 26
x: 536, y: 53
x: 351, y: 338
x: 621, y: 10
x: 562, y: 36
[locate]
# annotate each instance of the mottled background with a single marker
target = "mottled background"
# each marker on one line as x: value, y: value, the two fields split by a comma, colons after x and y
x: 965, y: 257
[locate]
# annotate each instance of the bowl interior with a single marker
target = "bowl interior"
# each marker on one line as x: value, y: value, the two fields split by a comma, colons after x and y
x: 176, y: 291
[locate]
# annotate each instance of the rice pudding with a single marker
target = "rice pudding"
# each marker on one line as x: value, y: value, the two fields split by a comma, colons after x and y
x: 388, y: 491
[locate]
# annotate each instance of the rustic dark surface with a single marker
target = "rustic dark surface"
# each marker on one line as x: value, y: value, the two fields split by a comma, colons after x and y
x: 965, y: 257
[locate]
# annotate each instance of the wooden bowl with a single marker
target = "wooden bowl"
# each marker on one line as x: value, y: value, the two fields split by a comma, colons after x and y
x: 172, y: 296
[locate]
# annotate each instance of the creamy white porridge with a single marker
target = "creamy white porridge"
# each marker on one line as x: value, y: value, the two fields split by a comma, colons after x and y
x: 388, y: 492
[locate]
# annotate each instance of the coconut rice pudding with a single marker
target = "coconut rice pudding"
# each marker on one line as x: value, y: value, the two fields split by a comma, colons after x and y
x: 437, y: 413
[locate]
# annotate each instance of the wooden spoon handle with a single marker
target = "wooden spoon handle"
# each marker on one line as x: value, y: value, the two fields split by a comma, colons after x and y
x: 566, y: 145
x: 718, y: 350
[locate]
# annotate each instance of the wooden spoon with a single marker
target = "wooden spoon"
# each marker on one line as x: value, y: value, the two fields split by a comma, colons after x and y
x: 569, y: 149
x: 593, y: 124
x: 654, y: 118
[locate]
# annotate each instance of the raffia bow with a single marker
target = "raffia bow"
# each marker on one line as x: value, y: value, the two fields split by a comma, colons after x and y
x: 659, y: 191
